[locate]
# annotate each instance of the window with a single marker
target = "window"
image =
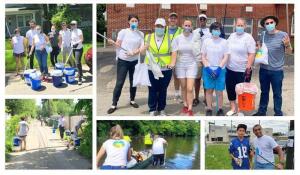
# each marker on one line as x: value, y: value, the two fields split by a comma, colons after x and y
x: 23, y: 20
x: 166, y: 6
x: 209, y: 21
x: 249, y: 28
x: 293, y: 25
x: 130, y: 5
x: 229, y: 26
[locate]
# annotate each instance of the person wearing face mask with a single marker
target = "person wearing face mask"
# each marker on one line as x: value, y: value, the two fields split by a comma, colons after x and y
x: 18, y: 43
x: 65, y: 43
x: 159, y: 44
x: 174, y: 31
x: 131, y: 40
x: 199, y: 35
x: 29, y: 36
x: 39, y: 42
x: 53, y: 37
x: 215, y: 52
x: 238, y: 68
x: 76, y: 43
x: 186, y: 65
x: 278, y: 43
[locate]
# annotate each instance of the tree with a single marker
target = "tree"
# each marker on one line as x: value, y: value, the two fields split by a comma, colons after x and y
x: 101, y: 23
x: 64, y: 14
x: 24, y: 107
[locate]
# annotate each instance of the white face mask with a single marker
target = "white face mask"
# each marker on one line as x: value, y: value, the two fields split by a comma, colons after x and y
x: 52, y: 30
x: 38, y: 31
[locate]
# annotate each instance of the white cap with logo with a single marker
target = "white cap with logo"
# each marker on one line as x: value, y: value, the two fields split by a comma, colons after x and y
x: 202, y: 16
x: 160, y: 21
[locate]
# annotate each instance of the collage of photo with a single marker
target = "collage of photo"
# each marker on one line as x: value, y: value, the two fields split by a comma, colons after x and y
x: 99, y: 86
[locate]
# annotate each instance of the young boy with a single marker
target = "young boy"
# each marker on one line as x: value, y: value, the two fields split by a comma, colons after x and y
x: 239, y: 149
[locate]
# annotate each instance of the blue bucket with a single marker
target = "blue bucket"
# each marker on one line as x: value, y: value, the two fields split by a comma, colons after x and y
x: 60, y: 66
x: 35, y: 81
x: 57, y: 78
x: 77, y: 142
x: 27, y: 76
x: 16, y: 141
x: 70, y: 75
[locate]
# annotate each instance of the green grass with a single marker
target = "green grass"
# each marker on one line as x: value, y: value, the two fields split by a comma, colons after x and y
x: 10, y: 63
x: 217, y: 157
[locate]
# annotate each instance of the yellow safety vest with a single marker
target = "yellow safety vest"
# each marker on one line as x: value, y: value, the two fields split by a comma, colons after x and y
x: 162, y: 54
x: 148, y: 140
x: 178, y: 32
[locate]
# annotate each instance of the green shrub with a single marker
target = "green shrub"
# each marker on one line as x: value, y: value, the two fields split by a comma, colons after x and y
x: 10, y: 131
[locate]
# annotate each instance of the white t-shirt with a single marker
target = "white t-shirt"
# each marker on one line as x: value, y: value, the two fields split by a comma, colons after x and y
x: 18, y: 44
x: 265, y: 145
x: 61, y: 121
x: 240, y: 46
x: 23, y: 128
x: 116, y: 151
x: 158, y: 146
x: 65, y: 37
x: 184, y: 47
x: 39, y: 41
x: 205, y: 31
x: 75, y: 38
x: 30, y: 34
x: 215, y: 49
x: 131, y: 40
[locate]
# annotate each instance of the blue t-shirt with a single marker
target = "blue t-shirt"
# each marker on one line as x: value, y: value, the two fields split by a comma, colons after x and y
x: 240, y: 149
x: 172, y: 31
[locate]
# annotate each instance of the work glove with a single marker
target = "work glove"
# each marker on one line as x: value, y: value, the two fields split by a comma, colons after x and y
x: 248, y: 74
x: 218, y: 72
x: 210, y: 72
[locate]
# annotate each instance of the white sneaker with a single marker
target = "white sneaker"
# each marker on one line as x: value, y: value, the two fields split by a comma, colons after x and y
x: 162, y: 113
x: 178, y: 99
x: 230, y: 113
x: 152, y: 113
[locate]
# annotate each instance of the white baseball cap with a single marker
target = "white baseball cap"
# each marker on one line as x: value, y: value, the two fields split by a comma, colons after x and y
x: 160, y: 21
x: 74, y: 22
x: 202, y: 16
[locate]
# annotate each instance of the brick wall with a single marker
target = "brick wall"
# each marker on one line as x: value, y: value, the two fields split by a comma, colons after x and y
x: 117, y: 14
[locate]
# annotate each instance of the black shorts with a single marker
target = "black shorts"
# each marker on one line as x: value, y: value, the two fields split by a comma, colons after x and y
x: 232, y: 79
x: 19, y: 54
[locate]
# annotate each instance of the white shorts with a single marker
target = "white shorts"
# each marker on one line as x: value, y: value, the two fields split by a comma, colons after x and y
x: 187, y: 71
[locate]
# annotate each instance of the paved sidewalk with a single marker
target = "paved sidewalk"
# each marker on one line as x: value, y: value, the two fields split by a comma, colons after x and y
x: 45, y: 150
x: 106, y: 75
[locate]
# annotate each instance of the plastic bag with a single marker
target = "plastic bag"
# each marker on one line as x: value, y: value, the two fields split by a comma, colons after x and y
x: 250, y: 88
x: 141, y: 76
x: 261, y: 56
x: 48, y: 48
x: 153, y: 66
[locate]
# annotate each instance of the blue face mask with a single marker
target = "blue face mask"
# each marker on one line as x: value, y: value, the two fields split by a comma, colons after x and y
x: 239, y: 30
x: 133, y: 25
x: 159, y: 31
x: 270, y: 27
x: 216, y: 33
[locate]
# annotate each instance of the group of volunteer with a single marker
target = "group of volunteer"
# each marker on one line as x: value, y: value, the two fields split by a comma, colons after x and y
x: 37, y: 43
x: 189, y: 54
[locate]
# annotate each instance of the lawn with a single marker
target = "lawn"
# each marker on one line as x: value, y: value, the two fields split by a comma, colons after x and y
x: 10, y: 64
x: 217, y: 157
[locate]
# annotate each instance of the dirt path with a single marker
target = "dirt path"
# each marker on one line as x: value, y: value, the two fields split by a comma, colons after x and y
x: 45, y: 150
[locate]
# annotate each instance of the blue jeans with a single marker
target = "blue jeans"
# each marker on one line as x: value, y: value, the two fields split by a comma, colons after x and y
x: 109, y: 167
x: 158, y: 91
x: 273, y: 78
x: 41, y: 56
x: 263, y: 166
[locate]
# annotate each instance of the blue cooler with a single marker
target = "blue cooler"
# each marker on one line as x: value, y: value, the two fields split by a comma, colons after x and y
x: 27, y: 77
x: 77, y: 142
x: 60, y: 66
x: 57, y: 77
x: 35, y: 81
x: 16, y: 141
x: 69, y: 75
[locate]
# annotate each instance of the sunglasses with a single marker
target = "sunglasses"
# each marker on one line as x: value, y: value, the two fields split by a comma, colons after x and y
x: 202, y: 19
x: 267, y: 23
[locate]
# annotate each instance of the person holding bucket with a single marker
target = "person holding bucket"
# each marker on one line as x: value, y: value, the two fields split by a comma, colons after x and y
x: 159, y: 45
x: 116, y: 149
x: 215, y: 54
x: 278, y: 44
x: 53, y: 37
x: 40, y: 44
x: 18, y: 43
x: 186, y: 65
x: 65, y: 43
x: 129, y: 43
x: 22, y: 131
x: 238, y: 69
x: 76, y: 43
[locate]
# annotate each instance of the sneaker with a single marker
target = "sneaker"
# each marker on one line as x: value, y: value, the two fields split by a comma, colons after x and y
x: 184, y: 110
x: 152, y: 113
x: 196, y: 102
x: 190, y: 113
x: 111, y: 110
x: 134, y: 104
x: 230, y: 113
x: 259, y: 114
x: 162, y: 113
x: 79, y: 82
x: 220, y: 112
x: 208, y: 112
x: 178, y: 99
